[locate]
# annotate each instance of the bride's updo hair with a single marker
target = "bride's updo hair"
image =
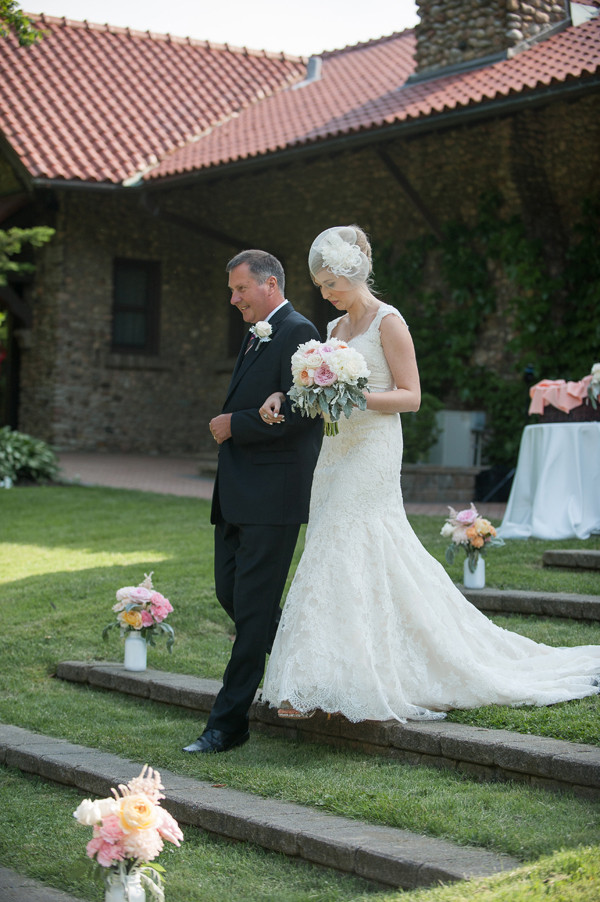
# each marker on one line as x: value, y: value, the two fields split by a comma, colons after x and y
x: 344, y: 251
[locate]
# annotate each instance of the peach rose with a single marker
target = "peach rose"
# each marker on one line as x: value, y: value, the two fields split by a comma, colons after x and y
x: 136, y: 812
x: 132, y: 619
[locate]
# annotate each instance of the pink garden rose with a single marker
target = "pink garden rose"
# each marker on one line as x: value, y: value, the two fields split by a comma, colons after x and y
x: 160, y: 606
x: 106, y: 852
x: 467, y: 516
x: 147, y: 618
x: 325, y: 376
x: 110, y: 830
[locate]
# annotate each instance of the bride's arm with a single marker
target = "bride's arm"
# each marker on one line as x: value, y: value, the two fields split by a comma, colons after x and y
x: 400, y: 354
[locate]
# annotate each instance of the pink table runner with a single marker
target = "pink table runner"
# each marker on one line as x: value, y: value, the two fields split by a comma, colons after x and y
x: 562, y: 395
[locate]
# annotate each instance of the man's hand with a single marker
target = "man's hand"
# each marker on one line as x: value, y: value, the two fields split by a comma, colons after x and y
x: 220, y: 428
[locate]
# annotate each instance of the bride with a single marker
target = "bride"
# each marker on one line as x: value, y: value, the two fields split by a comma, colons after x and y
x: 373, y: 627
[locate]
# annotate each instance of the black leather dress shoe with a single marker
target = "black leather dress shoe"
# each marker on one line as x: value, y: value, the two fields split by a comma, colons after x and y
x: 217, y: 741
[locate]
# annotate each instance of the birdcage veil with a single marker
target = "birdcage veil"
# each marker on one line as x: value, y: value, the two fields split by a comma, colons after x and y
x: 336, y: 249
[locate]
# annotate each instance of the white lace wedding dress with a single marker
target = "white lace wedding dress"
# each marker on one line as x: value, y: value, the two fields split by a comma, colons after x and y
x: 373, y: 626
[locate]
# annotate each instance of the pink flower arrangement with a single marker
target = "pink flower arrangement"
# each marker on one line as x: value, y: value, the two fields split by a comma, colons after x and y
x: 142, y: 608
x: 467, y: 530
x: 328, y: 380
x: 129, y: 830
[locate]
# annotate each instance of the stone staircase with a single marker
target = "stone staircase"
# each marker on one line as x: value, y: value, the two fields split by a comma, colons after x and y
x: 485, y: 754
x: 387, y: 856
x: 384, y: 855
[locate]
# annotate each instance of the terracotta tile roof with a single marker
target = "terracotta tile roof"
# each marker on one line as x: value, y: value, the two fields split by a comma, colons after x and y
x: 99, y: 103
x: 365, y: 87
x: 103, y: 104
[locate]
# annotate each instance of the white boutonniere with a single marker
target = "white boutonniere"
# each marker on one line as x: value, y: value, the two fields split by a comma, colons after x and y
x: 263, y: 331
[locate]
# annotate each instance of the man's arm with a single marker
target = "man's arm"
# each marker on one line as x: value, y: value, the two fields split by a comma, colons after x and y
x: 247, y: 426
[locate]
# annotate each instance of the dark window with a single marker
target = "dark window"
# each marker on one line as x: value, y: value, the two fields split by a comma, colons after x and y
x: 136, y: 306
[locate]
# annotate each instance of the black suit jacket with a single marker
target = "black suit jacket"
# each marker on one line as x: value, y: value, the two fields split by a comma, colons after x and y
x: 265, y: 472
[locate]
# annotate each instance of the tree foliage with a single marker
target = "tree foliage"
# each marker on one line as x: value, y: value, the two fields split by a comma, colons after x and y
x: 11, y: 244
x: 14, y: 21
x: 448, y: 287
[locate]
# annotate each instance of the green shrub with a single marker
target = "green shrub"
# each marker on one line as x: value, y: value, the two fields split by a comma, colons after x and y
x: 24, y: 458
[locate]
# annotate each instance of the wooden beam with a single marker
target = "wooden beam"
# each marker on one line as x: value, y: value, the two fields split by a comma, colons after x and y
x: 412, y: 194
x: 192, y: 225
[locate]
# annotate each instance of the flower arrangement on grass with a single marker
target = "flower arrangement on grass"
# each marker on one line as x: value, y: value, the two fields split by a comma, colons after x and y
x: 594, y: 386
x: 328, y: 380
x: 141, y: 608
x: 129, y: 830
x: 469, y: 532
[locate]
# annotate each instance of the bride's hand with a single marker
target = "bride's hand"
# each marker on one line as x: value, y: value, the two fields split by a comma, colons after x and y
x: 270, y: 409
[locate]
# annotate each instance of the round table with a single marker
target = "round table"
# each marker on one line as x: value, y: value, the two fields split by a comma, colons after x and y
x: 556, y: 488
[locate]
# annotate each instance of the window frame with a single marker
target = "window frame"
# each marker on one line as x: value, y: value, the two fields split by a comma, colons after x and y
x: 150, y: 309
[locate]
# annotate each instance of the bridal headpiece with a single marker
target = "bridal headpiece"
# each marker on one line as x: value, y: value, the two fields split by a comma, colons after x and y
x: 336, y: 249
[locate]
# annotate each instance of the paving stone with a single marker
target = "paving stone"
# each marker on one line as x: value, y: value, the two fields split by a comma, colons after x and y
x: 487, y: 754
x: 382, y: 854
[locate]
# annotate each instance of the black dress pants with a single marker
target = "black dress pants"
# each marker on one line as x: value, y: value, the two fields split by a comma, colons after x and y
x: 251, y: 567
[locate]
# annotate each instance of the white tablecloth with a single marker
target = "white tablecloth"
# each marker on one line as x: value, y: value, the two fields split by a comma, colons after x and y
x: 556, y: 489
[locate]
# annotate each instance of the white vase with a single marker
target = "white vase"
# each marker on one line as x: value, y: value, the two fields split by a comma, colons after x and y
x: 133, y: 891
x: 474, y: 579
x: 135, y: 651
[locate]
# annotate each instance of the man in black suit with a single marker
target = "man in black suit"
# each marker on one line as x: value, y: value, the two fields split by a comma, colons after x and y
x: 262, y: 489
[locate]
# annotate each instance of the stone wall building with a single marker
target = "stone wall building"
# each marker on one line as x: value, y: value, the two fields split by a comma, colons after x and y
x: 124, y: 339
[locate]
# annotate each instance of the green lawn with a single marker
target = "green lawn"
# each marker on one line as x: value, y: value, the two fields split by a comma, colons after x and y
x: 64, y: 553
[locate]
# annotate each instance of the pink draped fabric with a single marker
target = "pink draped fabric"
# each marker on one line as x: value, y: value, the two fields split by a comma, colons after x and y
x: 562, y: 395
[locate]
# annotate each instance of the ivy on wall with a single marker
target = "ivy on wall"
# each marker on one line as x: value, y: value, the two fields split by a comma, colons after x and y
x: 457, y: 290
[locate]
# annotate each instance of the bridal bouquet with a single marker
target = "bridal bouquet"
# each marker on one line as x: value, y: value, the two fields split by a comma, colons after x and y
x: 469, y: 531
x: 141, y: 608
x: 128, y: 831
x: 328, y: 380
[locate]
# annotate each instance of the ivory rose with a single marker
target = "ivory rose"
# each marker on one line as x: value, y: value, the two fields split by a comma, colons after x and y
x: 262, y: 330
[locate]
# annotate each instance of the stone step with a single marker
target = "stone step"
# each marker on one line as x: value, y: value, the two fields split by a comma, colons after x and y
x: 576, y: 558
x: 385, y: 855
x: 485, y: 754
x: 546, y: 604
x: 16, y: 888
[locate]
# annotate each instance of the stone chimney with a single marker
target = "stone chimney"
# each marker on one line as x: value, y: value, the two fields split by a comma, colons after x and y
x: 456, y: 33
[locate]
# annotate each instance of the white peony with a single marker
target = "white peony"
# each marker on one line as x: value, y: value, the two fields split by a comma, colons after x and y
x: 88, y: 813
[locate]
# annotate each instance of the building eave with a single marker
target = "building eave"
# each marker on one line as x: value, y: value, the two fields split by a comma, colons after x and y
x: 364, y: 137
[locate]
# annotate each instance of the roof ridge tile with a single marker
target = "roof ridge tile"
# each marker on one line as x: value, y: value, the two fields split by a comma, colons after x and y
x: 44, y: 18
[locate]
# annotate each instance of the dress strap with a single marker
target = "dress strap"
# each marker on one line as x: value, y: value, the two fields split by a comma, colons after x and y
x: 384, y: 310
